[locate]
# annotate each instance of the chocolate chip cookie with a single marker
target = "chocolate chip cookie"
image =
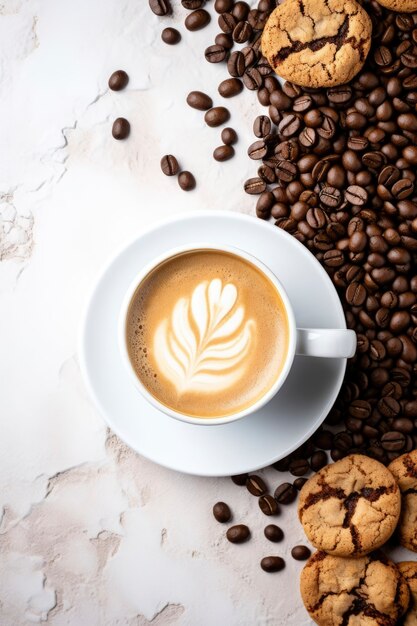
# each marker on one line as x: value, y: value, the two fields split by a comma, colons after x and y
x: 403, y: 6
x: 317, y: 43
x: 369, y: 591
x: 351, y: 507
x: 405, y: 471
x: 409, y: 571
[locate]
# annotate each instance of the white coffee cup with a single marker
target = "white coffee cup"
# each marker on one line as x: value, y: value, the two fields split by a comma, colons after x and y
x: 312, y: 342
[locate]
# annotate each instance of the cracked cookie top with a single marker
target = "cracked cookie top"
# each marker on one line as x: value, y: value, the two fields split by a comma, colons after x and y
x: 369, y: 591
x: 351, y: 507
x: 403, y: 6
x: 317, y: 43
x: 404, y: 469
x: 409, y: 570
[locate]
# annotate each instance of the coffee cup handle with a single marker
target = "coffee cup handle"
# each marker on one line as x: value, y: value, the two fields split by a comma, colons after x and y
x: 336, y: 343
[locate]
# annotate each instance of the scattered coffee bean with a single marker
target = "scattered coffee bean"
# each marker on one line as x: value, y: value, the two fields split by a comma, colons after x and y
x: 318, y: 460
x: 215, y: 53
x: 272, y: 563
x: 171, y: 36
x: 393, y: 441
x: 230, y: 87
x: 197, y: 19
x: 169, y: 165
x: 118, y: 80
x: 121, y: 128
x: 191, y: 5
x: 240, y: 479
x: 229, y: 136
x: 299, y: 483
x: 160, y: 7
x: 299, y: 467
x: 221, y: 512
x: 273, y: 533
x: 199, y: 100
x: 223, y: 153
x: 300, y: 553
x: 256, y: 485
x: 268, y: 505
x: 238, y: 533
x: 254, y: 186
x: 186, y: 181
x: 216, y: 116
x: 285, y: 493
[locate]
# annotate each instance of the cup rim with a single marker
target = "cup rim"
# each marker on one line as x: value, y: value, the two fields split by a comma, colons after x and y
x: 122, y: 335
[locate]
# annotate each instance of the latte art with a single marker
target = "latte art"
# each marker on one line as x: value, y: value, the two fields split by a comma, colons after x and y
x: 203, y: 344
x: 207, y: 333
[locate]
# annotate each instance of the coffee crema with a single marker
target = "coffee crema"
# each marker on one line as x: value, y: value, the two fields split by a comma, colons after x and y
x: 207, y: 333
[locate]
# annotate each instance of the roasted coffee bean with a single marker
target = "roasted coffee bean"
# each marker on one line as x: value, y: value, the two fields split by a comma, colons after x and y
x: 262, y: 126
x: 242, y: 32
x: 118, y: 80
x: 360, y: 409
x: 197, y: 19
x: 257, y: 150
x: 299, y: 483
x: 171, y: 36
x: 355, y: 294
x: 121, y: 128
x: 403, y: 425
x: 216, y: 116
x: 256, y: 485
x: 318, y: 460
x: 289, y: 125
x: 393, y: 441
x: 272, y: 564
x: 223, y: 6
x: 268, y: 505
x: 389, y: 406
x: 227, y: 22
x: 240, y: 479
x: 230, y: 87
x: 254, y: 186
x: 160, y: 7
x: 356, y: 195
x: 199, y: 100
x: 236, y: 64
x: 238, y: 533
x: 330, y: 196
x: 300, y: 553
x: 191, y: 5
x: 169, y: 165
x: 229, y: 136
x: 221, y: 512
x: 186, y: 181
x: 285, y: 493
x: 215, y: 53
x: 299, y: 467
x: 252, y: 79
x: 223, y: 153
x: 273, y: 533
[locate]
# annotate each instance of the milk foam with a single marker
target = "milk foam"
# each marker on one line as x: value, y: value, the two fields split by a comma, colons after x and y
x: 201, y: 346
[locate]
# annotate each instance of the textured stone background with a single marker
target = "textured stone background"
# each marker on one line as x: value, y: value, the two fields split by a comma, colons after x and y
x: 90, y: 533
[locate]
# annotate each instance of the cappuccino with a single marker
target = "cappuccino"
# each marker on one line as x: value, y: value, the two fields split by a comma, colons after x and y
x: 207, y: 333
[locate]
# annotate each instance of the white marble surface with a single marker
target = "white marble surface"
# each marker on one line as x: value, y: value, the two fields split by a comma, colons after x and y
x: 90, y: 533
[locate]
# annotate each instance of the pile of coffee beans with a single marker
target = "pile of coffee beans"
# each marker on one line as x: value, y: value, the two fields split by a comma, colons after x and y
x: 336, y: 168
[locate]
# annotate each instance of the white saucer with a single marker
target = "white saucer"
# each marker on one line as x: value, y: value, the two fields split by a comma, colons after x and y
x: 255, y: 441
